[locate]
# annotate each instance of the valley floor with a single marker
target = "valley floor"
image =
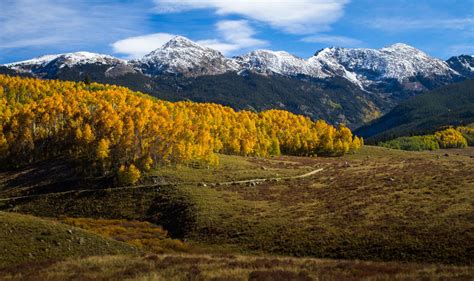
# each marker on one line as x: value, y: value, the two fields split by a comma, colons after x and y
x: 375, y: 205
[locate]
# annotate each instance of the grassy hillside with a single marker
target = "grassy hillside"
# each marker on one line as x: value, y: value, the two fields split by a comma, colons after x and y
x: 230, y: 267
x: 378, y: 204
x: 451, y: 105
x: 30, y: 239
x: 60, y: 175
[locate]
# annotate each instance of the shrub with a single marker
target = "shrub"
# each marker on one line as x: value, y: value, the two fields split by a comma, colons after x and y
x: 143, y: 235
x: 450, y: 138
x: 128, y: 175
x: 415, y: 143
x: 468, y: 134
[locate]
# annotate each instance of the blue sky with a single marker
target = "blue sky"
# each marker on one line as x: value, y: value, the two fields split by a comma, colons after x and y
x: 130, y: 29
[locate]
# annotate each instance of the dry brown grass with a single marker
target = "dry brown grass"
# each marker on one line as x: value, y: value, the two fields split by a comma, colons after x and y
x: 381, y: 205
x: 26, y: 239
x: 230, y: 267
x: 141, y: 234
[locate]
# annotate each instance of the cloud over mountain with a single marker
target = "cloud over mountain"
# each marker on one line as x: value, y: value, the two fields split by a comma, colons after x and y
x: 138, y: 46
x: 235, y: 35
x: 293, y: 16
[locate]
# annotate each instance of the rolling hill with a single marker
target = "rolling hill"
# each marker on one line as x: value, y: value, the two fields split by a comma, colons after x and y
x: 31, y: 239
x: 451, y: 105
x: 377, y: 204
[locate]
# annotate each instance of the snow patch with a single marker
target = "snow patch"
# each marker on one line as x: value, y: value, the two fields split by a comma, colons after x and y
x: 67, y: 59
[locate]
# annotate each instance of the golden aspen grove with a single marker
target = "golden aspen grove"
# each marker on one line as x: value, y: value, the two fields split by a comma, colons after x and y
x: 115, y: 130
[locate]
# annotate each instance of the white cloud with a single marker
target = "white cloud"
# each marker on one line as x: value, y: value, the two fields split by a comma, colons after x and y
x: 238, y: 31
x: 222, y: 47
x: 26, y: 42
x: 293, y: 16
x: 339, y: 41
x: 233, y: 36
x: 236, y: 35
x: 66, y: 24
x: 402, y: 24
x: 138, y: 46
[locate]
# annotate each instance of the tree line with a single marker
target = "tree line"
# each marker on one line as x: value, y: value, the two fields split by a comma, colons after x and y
x: 114, y: 129
x: 450, y: 137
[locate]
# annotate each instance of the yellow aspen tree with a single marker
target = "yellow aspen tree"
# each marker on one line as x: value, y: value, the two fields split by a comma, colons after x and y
x: 116, y: 125
x: 103, y: 149
x: 88, y: 134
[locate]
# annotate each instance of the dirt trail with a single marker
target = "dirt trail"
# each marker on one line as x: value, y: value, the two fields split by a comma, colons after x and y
x: 271, y: 179
x: 251, y: 181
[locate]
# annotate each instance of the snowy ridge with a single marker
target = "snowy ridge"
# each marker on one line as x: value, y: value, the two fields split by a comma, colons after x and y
x: 398, y: 61
x: 469, y: 65
x: 328, y: 64
x: 67, y: 59
x: 280, y: 62
x: 360, y: 66
x: 463, y: 64
x: 363, y: 67
x: 183, y: 56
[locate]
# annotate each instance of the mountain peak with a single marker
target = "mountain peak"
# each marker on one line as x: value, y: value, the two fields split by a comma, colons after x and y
x: 401, y: 47
x: 180, y: 41
x: 177, y: 46
x: 398, y: 61
x: 266, y: 51
x: 463, y: 64
x: 279, y: 62
x: 181, y: 55
x: 68, y: 59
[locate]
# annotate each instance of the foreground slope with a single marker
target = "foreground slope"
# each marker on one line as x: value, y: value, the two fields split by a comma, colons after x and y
x: 452, y: 105
x: 30, y: 239
x: 378, y: 204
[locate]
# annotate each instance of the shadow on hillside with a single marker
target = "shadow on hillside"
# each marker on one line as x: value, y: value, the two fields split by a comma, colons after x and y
x: 173, y: 209
x: 46, y: 177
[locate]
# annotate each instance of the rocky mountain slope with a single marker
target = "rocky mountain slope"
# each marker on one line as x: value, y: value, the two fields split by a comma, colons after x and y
x: 374, y: 81
x: 463, y: 64
x: 183, y: 56
x: 450, y: 105
x: 48, y: 66
x: 411, y: 68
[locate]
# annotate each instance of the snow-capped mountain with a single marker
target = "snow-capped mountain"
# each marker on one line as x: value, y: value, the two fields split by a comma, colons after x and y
x: 68, y: 59
x: 463, y: 64
x: 341, y: 85
x: 362, y: 67
x: 183, y: 56
x: 398, y: 61
x: 279, y: 62
x: 48, y: 66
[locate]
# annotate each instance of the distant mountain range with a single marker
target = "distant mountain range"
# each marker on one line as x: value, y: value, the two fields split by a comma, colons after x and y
x: 451, y: 105
x: 351, y: 86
